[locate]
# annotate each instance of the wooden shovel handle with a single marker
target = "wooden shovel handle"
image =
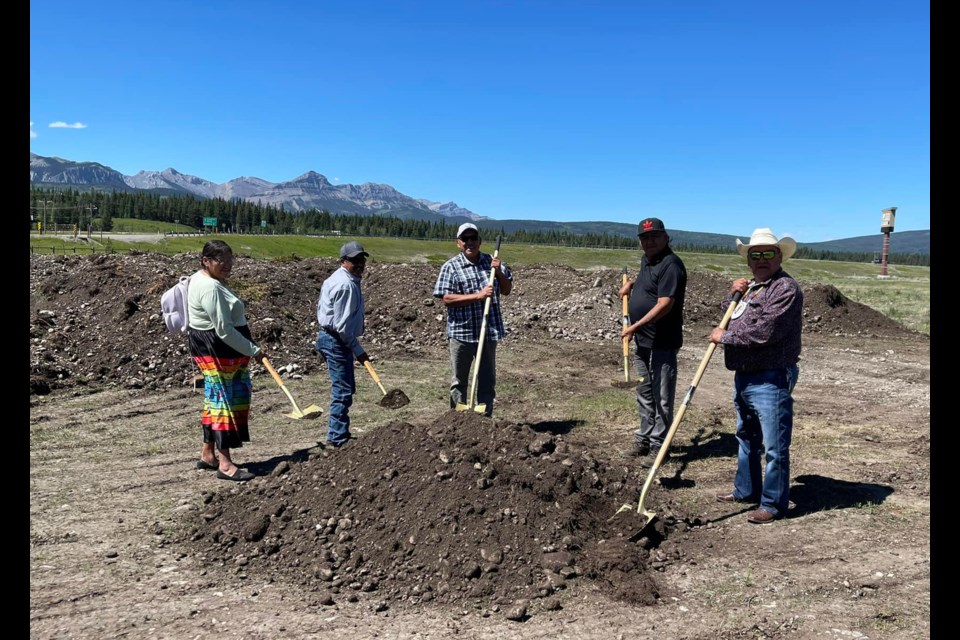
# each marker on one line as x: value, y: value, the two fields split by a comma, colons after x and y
x: 273, y: 372
x: 373, y: 374
x: 626, y: 317
x: 626, y: 296
x: 283, y: 387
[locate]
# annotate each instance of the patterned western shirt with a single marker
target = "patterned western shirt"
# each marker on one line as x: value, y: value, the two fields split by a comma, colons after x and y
x: 766, y: 333
x: 460, y: 276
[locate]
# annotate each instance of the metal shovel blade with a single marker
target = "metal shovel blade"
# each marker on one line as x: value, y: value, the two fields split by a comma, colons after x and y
x: 479, y: 408
x: 311, y: 412
x: 626, y: 384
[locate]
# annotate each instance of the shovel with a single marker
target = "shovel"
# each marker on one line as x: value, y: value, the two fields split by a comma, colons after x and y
x: 650, y: 515
x: 472, y: 402
x: 313, y: 411
x: 626, y: 383
x: 393, y: 400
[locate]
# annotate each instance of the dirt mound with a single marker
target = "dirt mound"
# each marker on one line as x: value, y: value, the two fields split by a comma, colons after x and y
x: 394, y: 399
x: 462, y: 510
x: 95, y: 320
x: 825, y: 309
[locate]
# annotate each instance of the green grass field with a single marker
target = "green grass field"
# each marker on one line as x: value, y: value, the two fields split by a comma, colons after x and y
x: 904, y: 295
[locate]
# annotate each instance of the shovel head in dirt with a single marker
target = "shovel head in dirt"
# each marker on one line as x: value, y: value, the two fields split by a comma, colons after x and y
x: 313, y: 411
x: 395, y: 398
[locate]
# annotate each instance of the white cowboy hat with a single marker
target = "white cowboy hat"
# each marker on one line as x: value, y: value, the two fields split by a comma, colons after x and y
x: 764, y: 237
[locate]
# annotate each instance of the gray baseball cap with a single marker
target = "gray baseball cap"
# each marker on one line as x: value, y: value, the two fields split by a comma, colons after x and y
x: 352, y: 249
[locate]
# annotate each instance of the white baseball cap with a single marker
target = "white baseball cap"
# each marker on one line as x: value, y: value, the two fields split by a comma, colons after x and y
x: 466, y: 226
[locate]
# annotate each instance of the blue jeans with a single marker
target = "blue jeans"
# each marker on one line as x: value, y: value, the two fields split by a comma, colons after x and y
x: 462, y: 355
x: 764, y: 407
x: 657, y: 369
x: 343, y: 385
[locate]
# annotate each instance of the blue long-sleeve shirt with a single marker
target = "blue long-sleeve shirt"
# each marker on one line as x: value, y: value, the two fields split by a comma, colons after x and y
x: 340, y: 308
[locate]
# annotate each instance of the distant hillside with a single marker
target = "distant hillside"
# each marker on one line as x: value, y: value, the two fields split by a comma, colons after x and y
x: 900, y: 242
x: 313, y: 192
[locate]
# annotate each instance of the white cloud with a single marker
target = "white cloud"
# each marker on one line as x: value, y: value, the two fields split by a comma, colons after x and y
x: 33, y: 134
x: 66, y: 125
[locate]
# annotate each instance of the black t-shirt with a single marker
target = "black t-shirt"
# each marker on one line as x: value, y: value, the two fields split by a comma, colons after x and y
x: 666, y: 277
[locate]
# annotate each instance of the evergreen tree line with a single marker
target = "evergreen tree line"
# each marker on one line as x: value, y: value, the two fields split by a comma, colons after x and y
x: 96, y: 210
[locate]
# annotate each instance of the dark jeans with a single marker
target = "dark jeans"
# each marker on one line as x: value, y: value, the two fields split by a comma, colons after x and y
x: 657, y: 371
x: 764, y: 404
x: 343, y: 385
x: 462, y: 355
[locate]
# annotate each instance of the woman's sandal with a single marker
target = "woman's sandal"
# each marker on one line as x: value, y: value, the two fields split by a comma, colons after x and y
x: 238, y: 476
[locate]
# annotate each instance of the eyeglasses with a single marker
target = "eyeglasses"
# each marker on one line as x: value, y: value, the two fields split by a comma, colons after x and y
x: 469, y: 238
x: 769, y: 254
x: 223, y: 261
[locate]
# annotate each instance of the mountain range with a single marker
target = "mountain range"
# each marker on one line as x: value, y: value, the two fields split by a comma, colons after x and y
x: 312, y: 190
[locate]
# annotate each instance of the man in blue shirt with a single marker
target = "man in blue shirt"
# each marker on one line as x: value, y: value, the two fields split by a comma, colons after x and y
x: 464, y: 286
x: 340, y: 316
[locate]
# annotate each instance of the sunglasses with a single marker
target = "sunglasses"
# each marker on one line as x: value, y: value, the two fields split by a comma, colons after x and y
x: 469, y: 238
x: 769, y: 254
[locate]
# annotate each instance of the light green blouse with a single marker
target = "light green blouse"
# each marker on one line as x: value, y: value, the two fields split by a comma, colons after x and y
x: 213, y: 305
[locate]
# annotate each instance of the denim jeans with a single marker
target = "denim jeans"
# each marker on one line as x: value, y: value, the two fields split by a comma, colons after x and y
x: 462, y: 355
x: 764, y: 407
x: 343, y: 385
x: 655, y: 393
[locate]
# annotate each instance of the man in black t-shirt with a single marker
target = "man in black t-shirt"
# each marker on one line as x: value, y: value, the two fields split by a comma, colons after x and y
x: 656, y: 323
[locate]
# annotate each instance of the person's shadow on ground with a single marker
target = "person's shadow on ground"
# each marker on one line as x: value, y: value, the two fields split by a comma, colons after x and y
x: 556, y: 427
x: 706, y: 443
x: 812, y: 493
x: 266, y: 467
x: 808, y: 493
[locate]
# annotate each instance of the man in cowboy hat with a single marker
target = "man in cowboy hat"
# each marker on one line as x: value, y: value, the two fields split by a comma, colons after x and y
x: 762, y: 345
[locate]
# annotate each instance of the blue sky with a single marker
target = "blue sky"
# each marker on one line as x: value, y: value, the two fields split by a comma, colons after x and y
x: 807, y: 117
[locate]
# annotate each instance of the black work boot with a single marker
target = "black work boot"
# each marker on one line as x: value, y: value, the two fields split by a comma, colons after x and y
x: 636, y: 450
x: 647, y: 463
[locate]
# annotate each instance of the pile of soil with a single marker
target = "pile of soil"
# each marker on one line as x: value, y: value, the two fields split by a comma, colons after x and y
x: 463, y: 510
x: 394, y: 399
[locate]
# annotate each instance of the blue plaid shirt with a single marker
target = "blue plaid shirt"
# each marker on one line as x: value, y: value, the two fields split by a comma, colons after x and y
x: 460, y: 276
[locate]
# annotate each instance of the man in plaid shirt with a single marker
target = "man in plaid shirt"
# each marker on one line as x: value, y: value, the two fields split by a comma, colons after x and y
x: 464, y: 286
